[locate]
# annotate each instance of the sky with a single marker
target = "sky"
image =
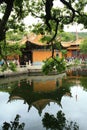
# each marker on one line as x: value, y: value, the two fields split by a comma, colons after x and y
x: 74, y: 28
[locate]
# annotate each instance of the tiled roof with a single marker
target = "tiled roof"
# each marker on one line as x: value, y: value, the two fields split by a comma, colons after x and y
x: 33, y: 38
x: 72, y: 43
x: 73, y: 48
x: 36, y: 40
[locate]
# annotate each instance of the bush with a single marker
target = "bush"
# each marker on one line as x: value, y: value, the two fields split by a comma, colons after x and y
x: 51, y: 64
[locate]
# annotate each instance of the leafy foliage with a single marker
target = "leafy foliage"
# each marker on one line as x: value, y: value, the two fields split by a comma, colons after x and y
x: 14, y: 12
x: 6, y: 50
x: 4, y: 67
x: 51, y: 64
x: 80, y: 34
x: 14, y: 36
x: 54, y: 18
x: 66, y: 36
x: 83, y: 46
x: 12, y: 66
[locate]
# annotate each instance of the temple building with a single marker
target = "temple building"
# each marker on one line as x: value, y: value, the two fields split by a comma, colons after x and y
x: 73, y: 49
x: 36, y: 51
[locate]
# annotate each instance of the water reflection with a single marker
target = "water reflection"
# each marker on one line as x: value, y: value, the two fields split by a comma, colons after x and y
x: 59, y: 122
x: 39, y: 94
x: 49, y: 122
x: 13, y: 125
x: 57, y: 103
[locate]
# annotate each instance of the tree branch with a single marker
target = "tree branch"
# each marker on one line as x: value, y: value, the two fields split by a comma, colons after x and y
x: 54, y: 36
x: 4, y: 20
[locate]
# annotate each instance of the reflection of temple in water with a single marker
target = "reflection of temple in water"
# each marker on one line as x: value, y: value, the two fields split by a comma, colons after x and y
x: 39, y: 93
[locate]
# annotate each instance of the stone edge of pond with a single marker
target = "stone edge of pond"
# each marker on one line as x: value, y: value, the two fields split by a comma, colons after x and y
x: 29, y: 72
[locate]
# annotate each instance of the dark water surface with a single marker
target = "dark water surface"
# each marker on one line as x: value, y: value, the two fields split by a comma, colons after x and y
x: 47, y: 102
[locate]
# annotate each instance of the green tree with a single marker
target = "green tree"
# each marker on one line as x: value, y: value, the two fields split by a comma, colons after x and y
x: 54, y: 18
x: 14, y: 11
x: 83, y: 46
x: 9, y: 49
x: 54, y: 63
x: 15, y: 36
x: 67, y: 36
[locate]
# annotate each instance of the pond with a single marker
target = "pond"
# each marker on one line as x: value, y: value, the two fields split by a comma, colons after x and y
x: 44, y: 102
